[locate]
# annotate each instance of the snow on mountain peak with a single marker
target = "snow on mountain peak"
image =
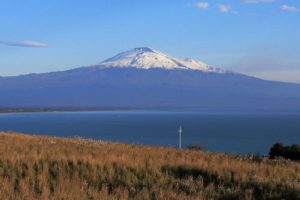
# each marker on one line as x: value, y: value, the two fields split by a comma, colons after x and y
x: 144, y: 49
x: 146, y: 58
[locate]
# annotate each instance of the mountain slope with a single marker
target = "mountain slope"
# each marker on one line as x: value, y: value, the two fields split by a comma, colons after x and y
x: 138, y: 83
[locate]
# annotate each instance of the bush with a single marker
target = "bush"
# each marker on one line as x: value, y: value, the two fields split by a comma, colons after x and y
x: 288, y: 152
x: 196, y: 147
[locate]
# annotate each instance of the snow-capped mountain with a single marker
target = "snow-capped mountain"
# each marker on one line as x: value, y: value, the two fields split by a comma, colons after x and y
x: 147, y: 58
x: 145, y: 78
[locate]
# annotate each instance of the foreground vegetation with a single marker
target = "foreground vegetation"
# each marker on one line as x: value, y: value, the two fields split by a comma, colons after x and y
x: 34, y: 167
x: 288, y: 152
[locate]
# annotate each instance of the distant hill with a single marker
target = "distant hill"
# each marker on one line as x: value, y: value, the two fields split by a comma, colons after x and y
x: 147, y: 79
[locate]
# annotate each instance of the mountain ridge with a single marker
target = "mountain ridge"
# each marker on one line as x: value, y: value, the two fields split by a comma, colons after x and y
x: 153, y: 87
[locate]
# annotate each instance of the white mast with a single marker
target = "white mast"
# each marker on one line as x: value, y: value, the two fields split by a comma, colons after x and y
x: 180, y: 131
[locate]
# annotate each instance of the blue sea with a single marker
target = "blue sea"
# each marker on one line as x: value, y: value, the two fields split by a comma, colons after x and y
x: 220, y: 132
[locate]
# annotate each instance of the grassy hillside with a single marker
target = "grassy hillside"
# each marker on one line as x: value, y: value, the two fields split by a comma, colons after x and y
x: 34, y: 167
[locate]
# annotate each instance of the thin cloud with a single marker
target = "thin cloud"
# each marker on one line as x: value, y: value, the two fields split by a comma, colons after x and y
x: 288, y: 8
x: 268, y: 58
x: 280, y: 75
x: 257, y: 1
x: 25, y: 43
x: 224, y: 8
x: 202, y: 5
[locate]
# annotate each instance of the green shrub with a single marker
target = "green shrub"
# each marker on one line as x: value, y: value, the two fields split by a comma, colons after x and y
x: 196, y: 147
x: 288, y: 152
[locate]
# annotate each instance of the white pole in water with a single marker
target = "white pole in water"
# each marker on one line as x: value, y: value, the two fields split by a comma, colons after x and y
x: 180, y: 131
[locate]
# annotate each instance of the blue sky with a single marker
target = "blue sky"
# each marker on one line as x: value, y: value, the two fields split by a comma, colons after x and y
x: 256, y: 37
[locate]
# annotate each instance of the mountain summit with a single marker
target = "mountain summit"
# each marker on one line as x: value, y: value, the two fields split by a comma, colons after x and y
x: 147, y: 58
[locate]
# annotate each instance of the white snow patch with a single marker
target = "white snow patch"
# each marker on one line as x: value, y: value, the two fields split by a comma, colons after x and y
x: 146, y: 58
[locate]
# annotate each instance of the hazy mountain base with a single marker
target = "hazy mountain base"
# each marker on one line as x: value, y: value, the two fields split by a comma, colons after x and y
x: 33, y: 167
x: 152, y: 88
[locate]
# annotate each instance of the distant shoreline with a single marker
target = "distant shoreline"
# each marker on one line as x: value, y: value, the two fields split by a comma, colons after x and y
x: 70, y: 109
x: 37, y: 110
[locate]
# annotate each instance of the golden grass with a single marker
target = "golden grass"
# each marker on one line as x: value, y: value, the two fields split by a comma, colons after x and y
x: 37, y: 167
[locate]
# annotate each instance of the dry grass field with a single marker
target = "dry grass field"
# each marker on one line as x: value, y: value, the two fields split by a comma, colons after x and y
x: 35, y: 167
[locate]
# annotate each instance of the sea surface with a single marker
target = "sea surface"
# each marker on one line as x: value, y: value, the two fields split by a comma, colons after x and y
x: 222, y: 132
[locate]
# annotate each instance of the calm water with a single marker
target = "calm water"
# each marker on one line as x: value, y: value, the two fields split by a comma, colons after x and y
x: 236, y: 133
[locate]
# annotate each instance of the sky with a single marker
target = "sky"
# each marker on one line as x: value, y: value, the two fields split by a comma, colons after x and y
x: 255, y: 37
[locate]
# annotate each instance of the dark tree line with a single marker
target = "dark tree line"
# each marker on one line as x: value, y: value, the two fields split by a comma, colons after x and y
x: 288, y: 152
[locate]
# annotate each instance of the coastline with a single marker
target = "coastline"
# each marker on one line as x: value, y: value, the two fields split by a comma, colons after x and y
x: 139, y: 109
